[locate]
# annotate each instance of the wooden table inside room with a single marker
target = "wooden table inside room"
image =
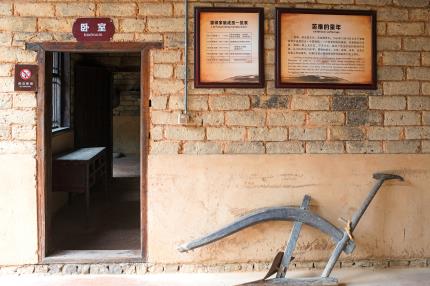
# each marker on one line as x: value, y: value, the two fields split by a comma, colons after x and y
x: 79, y: 170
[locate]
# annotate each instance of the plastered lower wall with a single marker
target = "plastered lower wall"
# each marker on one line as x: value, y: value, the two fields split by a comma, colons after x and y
x: 189, y: 196
x: 18, y: 210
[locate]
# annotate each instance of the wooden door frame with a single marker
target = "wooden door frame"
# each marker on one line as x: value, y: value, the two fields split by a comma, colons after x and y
x: 43, y: 125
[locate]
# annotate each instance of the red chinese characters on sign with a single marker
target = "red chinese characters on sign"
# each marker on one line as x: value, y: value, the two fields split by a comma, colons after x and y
x: 25, y: 77
x: 93, y: 29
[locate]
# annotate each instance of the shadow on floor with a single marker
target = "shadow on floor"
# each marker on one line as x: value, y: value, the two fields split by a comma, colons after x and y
x: 114, y: 222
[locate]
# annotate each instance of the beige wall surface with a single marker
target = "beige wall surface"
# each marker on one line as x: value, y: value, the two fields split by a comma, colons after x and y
x: 18, y: 210
x: 189, y: 196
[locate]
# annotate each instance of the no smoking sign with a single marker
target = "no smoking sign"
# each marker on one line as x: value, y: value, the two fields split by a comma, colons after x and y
x: 25, y: 78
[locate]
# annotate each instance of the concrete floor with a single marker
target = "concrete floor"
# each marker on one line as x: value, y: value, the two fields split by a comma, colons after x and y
x: 114, y: 224
x: 347, y: 277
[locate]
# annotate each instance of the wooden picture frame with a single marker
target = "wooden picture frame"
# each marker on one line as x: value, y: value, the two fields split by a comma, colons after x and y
x: 325, y: 49
x: 229, y: 47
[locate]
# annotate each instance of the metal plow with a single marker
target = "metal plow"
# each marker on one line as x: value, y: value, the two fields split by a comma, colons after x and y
x: 300, y: 215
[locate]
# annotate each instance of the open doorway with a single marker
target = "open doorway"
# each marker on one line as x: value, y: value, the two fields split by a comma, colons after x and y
x: 95, y: 199
x: 44, y: 149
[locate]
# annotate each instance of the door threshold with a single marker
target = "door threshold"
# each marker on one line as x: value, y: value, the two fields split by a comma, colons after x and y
x: 94, y: 256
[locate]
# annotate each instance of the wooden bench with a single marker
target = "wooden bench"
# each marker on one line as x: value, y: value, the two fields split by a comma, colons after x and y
x: 78, y: 171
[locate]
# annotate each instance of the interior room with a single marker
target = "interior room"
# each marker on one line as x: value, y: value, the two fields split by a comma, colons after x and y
x: 95, y: 199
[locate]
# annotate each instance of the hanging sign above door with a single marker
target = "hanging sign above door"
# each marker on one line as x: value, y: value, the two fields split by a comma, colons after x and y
x: 93, y: 29
x: 25, y: 78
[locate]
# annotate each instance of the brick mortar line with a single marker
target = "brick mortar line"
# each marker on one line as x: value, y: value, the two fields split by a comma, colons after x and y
x: 144, y: 268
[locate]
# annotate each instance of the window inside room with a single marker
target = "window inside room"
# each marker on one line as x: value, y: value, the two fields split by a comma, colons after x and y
x: 60, y: 91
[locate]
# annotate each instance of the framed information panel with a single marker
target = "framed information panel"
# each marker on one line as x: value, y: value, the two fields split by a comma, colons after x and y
x: 229, y: 47
x: 325, y: 48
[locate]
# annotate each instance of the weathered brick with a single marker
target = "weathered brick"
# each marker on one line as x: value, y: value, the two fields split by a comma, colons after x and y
x: 117, y: 9
x: 6, y: 84
x: 373, y: 2
x: 285, y: 118
x: 387, y: 102
x: 159, y: 102
x: 297, y: 133
x: 347, y: 133
x: 418, y: 73
x: 202, y: 148
x: 310, y: 103
x: 426, y: 118
x: 211, y: 118
x: 425, y: 146
x: 290, y: 147
x: 401, y: 88
x: 363, y: 118
x: 167, y: 56
x: 164, y: 117
x: 349, y: 103
x: 426, y: 88
x: 18, y: 24
x: 5, y: 101
x: 164, y: 147
x: 55, y: 24
x: 245, y: 118
x: 390, y: 73
x: 326, y: 147
x: 162, y: 86
x: 195, y: 102
x: 24, y: 100
x: 335, y: 2
x: 364, y: 147
x: 401, y: 58
x: 132, y: 25
x: 155, y: 9
x: 157, y: 133
x: 6, y: 39
x: 165, y: 24
x: 5, y: 133
x: 417, y: 44
x: 225, y: 133
x: 330, y: 92
x: 21, y: 38
x: 148, y: 37
x: 422, y: 132
x: 185, y: 133
x: 163, y: 71
x: 34, y: 9
x: 267, y: 134
x: 397, y: 147
x: 5, y: 9
x: 269, y: 102
x: 389, y: 43
x: 405, y: 29
x: 326, y: 118
x: 402, y: 118
x: 384, y: 133
x: 229, y: 102
x: 23, y: 132
x: 411, y: 3
x: 178, y: 9
x: 419, y: 14
x: 392, y: 14
x: 17, y: 147
x: 381, y: 28
x: 245, y: 148
x: 13, y: 116
x: 75, y: 9
x: 419, y: 103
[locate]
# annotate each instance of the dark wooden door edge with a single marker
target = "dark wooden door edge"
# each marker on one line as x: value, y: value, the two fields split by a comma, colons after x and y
x: 43, y: 145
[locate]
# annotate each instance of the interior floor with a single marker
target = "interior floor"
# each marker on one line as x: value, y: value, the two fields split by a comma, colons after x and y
x: 114, y: 218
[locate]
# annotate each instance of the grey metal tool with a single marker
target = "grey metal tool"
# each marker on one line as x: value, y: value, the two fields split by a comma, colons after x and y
x: 342, y: 237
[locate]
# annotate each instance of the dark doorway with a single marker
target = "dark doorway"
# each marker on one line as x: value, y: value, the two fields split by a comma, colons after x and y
x: 95, y: 198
